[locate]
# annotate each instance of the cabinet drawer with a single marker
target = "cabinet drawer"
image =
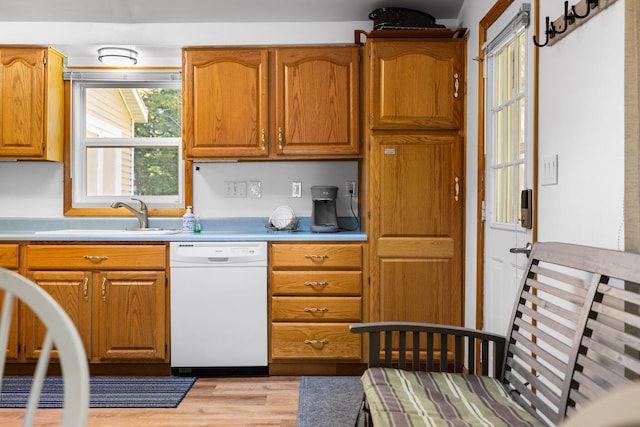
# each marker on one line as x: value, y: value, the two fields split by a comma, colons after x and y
x: 95, y: 257
x: 314, y: 341
x: 316, y: 256
x: 9, y: 256
x: 316, y: 309
x: 316, y: 282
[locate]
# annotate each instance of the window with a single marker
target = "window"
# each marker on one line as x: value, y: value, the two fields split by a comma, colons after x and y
x: 126, y: 141
x: 507, y: 122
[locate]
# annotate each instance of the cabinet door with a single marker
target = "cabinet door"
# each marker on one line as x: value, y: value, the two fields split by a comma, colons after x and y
x: 130, y: 316
x: 317, y: 101
x: 225, y: 98
x: 71, y: 289
x: 417, y: 228
x: 22, y: 102
x: 416, y: 84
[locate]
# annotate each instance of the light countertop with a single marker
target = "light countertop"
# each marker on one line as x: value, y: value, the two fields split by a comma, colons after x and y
x: 213, y: 229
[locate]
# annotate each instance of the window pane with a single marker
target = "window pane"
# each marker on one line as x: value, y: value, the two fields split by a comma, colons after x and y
x: 499, y: 195
x: 522, y: 64
x: 509, y: 133
x: 499, y: 137
x: 510, y: 77
x: 509, y: 186
x: 140, y: 171
x: 133, y: 113
x: 499, y: 78
x: 522, y: 119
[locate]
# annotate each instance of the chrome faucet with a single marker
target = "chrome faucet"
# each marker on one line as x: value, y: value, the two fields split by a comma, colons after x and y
x: 142, y: 214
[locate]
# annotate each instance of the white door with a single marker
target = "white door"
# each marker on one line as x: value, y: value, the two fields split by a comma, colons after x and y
x: 508, y: 150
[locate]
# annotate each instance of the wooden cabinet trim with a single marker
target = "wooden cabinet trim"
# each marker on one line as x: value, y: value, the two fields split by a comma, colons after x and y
x: 316, y: 256
x: 10, y: 256
x: 96, y: 257
x: 316, y: 282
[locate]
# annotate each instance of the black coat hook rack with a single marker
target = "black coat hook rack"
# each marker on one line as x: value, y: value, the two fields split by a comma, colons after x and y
x: 572, y: 18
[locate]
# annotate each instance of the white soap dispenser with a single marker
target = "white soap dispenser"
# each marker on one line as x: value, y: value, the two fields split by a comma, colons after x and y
x: 188, y: 221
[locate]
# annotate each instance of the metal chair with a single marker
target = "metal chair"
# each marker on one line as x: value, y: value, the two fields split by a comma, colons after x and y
x: 62, y: 333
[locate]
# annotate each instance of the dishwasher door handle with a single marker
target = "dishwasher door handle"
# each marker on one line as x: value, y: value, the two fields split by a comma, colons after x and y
x: 217, y: 260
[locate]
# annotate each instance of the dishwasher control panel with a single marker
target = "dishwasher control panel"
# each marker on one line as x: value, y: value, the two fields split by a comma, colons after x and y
x: 205, y: 253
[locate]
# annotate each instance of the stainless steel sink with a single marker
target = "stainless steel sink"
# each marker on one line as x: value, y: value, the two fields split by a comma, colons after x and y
x: 126, y: 231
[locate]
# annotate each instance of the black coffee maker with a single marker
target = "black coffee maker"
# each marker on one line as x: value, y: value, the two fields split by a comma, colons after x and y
x: 324, y: 218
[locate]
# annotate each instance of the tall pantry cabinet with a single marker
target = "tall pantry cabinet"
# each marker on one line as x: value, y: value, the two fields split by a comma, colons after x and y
x: 413, y: 128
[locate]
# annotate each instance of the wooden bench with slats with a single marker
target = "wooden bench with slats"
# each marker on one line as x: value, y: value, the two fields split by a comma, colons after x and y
x: 575, y: 335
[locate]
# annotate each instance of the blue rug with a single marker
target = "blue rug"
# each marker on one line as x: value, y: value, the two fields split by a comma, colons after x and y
x: 329, y: 401
x: 104, y: 392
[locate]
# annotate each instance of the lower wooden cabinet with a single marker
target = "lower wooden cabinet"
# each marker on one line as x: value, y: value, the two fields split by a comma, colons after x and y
x: 115, y: 295
x: 316, y: 293
x: 10, y: 259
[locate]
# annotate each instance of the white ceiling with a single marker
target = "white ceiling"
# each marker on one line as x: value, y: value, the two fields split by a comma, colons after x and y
x: 154, y: 11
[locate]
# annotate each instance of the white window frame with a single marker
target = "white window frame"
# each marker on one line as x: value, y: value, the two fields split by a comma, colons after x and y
x: 510, y: 34
x: 81, y: 143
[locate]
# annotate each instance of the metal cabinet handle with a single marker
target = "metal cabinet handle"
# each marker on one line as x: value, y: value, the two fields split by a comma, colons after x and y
x: 457, y: 189
x: 264, y: 140
x: 456, y: 85
x: 316, y: 309
x: 316, y: 342
x: 316, y: 256
x: 85, y: 289
x: 104, y: 289
x: 316, y: 284
x: 96, y: 259
x: 280, y: 138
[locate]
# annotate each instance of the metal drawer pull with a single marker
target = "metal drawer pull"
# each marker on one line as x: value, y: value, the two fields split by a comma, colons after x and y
x: 104, y: 289
x: 96, y: 259
x: 456, y: 85
x: 316, y: 256
x: 280, y: 139
x: 314, y: 284
x: 316, y: 310
x: 316, y: 342
x: 85, y: 289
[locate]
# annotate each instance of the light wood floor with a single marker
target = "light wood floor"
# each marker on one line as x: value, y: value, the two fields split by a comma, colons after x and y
x: 211, y: 402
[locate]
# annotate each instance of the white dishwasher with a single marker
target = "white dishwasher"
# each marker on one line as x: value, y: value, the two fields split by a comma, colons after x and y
x: 219, y: 308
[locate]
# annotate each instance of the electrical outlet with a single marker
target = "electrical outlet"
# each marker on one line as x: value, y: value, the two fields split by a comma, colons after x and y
x: 351, y: 189
x: 296, y: 189
x: 255, y: 189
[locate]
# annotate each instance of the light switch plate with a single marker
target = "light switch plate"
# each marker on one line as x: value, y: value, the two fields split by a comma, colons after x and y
x: 235, y: 189
x: 549, y: 170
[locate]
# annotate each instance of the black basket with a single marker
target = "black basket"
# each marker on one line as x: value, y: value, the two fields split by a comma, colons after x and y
x: 400, y: 18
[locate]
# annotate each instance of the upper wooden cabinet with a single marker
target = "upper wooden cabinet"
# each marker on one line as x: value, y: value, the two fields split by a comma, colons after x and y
x: 31, y: 104
x: 416, y: 85
x: 317, y: 98
x: 225, y: 103
x: 288, y: 102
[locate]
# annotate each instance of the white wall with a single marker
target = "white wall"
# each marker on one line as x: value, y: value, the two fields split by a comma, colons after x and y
x: 276, y: 177
x: 581, y: 119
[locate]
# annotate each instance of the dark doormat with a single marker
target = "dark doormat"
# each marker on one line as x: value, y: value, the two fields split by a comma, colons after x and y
x: 329, y: 401
x: 104, y: 392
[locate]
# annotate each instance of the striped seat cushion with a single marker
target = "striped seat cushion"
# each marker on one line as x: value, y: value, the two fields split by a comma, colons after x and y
x: 402, y: 398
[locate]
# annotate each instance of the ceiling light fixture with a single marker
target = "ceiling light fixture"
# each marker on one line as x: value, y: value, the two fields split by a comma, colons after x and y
x: 120, y: 56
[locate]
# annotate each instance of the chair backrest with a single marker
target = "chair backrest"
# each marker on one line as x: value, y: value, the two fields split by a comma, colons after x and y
x: 62, y: 333
x: 575, y: 328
